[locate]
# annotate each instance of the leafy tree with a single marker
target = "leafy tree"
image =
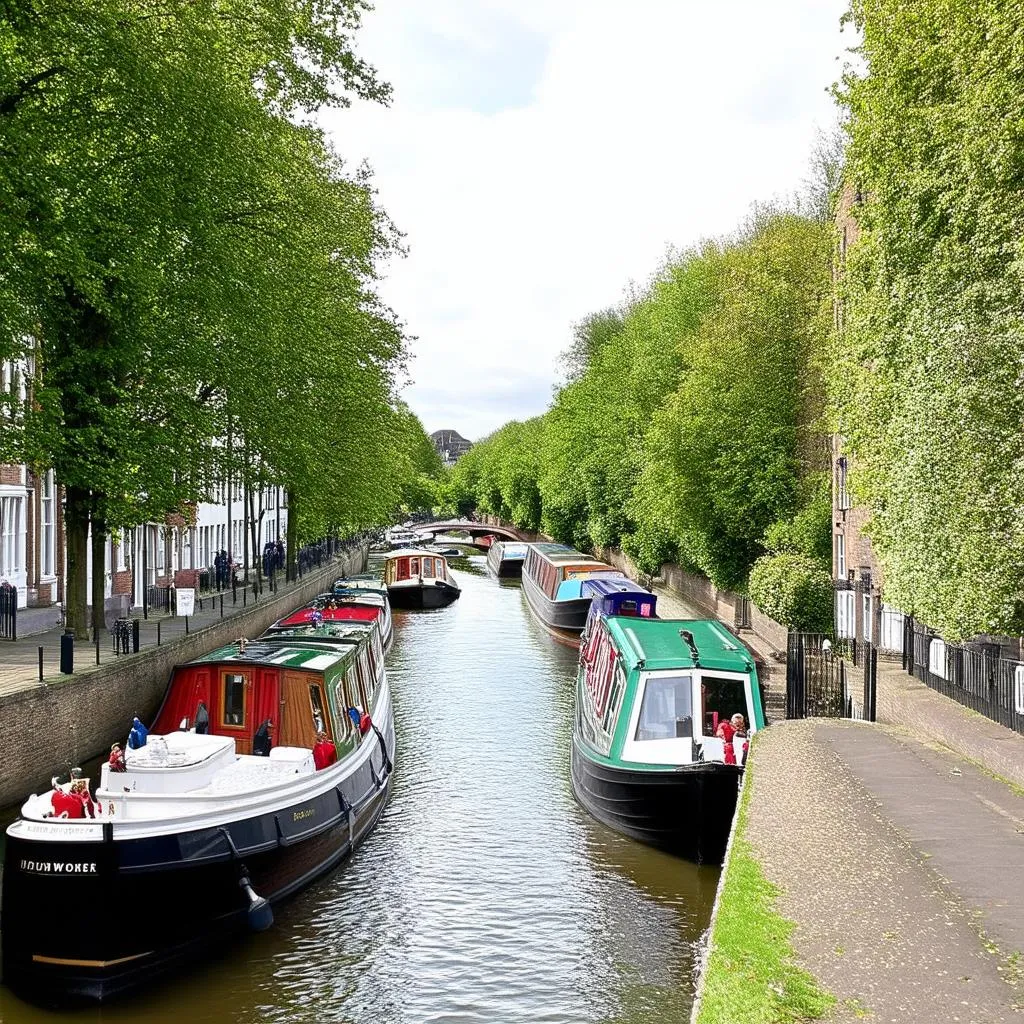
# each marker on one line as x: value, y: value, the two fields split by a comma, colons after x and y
x: 926, y: 383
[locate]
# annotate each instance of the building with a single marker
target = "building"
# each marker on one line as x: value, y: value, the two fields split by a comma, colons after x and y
x: 450, y: 445
x: 142, y: 562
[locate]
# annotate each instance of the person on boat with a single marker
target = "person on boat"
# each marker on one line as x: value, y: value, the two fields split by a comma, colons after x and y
x: 202, y: 719
x: 116, y: 759
x: 324, y: 751
x: 262, y: 741
x: 355, y: 714
x: 83, y: 798
x: 138, y: 734
x: 739, y: 725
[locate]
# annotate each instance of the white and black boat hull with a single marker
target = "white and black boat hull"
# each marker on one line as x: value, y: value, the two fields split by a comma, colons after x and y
x: 687, y: 810
x: 430, y: 594
x: 85, y: 922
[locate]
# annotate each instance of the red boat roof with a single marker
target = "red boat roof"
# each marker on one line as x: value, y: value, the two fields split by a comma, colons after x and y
x: 343, y: 613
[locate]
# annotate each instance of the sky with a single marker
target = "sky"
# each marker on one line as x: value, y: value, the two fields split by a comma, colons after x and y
x: 542, y: 157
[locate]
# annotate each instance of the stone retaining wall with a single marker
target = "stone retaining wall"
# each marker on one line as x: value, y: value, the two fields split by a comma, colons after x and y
x: 45, y: 729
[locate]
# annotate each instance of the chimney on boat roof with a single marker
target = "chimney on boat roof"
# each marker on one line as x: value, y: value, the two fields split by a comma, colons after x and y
x: 688, y: 640
x: 242, y: 642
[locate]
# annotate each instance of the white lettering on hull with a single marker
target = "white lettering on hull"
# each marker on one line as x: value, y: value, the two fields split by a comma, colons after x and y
x: 57, y: 867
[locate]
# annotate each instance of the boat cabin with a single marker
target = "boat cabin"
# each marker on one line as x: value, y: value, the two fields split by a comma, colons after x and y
x: 415, y: 564
x: 559, y: 571
x: 656, y: 691
x: 302, y: 680
x: 618, y: 597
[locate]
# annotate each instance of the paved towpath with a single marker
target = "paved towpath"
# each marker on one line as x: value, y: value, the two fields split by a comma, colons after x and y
x: 902, y: 865
x: 19, y: 659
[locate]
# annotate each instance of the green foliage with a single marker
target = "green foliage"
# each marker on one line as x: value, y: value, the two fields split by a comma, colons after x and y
x: 926, y: 383
x: 690, y: 422
x: 795, y: 590
x: 191, y: 268
x: 809, y: 532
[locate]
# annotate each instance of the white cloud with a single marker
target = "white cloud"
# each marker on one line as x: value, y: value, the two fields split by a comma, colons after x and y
x: 540, y: 156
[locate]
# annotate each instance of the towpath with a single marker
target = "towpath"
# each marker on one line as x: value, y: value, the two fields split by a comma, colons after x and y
x: 902, y: 865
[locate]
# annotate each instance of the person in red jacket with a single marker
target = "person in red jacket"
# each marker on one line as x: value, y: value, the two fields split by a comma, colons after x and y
x: 324, y: 751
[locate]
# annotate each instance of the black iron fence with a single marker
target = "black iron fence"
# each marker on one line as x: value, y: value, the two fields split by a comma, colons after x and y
x: 820, y: 681
x: 8, y: 611
x: 976, y: 675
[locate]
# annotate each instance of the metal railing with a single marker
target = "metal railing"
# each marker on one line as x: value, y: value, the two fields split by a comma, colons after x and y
x: 8, y: 611
x: 975, y: 674
x: 819, y: 683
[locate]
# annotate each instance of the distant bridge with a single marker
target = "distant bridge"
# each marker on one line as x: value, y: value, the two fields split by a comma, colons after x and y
x: 474, y: 529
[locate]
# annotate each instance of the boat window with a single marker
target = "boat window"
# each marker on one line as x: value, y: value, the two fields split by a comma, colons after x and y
x: 666, y: 712
x: 414, y: 567
x: 403, y: 568
x: 233, y: 708
x: 428, y: 567
x: 342, y: 723
x: 627, y: 608
x: 722, y: 698
x: 439, y: 568
x: 316, y: 705
x: 365, y: 685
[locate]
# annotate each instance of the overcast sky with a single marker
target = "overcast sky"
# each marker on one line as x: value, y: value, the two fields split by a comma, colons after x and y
x: 541, y: 155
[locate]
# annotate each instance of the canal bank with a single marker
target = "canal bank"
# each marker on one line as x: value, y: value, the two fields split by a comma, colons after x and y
x: 874, y: 875
x: 486, y: 893
x: 66, y: 720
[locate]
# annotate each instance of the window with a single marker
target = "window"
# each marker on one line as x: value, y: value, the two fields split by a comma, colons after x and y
x: 439, y: 568
x: 10, y: 529
x: 403, y: 568
x: 161, y: 550
x: 666, y: 712
x: 316, y: 705
x: 233, y: 713
x: 414, y: 567
x: 1018, y: 689
x: 868, y: 617
x: 842, y: 494
x: 845, y: 624
x: 721, y: 698
x: 891, y: 634
x: 937, y: 658
x: 48, y: 538
x: 428, y: 567
x: 841, y: 556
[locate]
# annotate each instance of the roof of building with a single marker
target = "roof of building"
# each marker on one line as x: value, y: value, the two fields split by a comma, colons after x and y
x: 660, y: 644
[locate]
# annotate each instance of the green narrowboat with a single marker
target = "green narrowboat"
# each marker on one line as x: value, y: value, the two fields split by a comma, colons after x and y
x: 658, y: 747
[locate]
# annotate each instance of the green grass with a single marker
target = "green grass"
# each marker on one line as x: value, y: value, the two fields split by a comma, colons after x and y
x: 751, y: 976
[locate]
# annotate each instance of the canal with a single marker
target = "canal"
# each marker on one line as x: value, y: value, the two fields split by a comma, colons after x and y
x: 485, y: 894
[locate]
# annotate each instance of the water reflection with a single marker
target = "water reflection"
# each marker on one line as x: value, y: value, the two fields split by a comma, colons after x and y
x: 486, y: 894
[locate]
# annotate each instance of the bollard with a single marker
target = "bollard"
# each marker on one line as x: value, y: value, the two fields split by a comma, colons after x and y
x: 67, y: 653
x: 135, y: 636
x: 96, y: 637
x: 222, y: 606
x: 186, y: 625
x: 158, y: 634
x: 234, y: 591
x: 245, y: 594
x: 40, y: 663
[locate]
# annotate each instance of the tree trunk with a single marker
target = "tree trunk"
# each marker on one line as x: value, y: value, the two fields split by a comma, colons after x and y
x: 76, y: 527
x: 292, y: 552
x: 254, y: 533
x: 99, y: 573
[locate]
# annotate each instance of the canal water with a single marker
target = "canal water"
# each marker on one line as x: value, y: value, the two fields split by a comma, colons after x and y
x: 485, y: 894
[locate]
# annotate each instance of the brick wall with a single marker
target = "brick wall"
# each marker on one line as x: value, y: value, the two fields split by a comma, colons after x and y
x: 121, y: 582
x: 10, y: 475
x: 187, y: 578
x: 76, y: 718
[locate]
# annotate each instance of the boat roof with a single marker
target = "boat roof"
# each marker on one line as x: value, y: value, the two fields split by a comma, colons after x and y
x: 512, y: 548
x: 602, y: 586
x: 416, y: 552
x: 657, y: 644
x: 294, y: 648
x: 560, y: 553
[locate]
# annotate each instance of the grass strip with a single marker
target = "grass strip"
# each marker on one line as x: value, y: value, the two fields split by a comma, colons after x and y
x: 751, y: 976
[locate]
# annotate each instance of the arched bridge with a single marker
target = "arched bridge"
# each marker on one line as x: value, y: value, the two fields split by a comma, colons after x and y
x: 474, y: 529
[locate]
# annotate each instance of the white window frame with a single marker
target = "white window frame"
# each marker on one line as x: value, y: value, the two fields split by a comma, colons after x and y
x: 48, y: 525
x: 1018, y: 689
x: 867, y: 607
x: 841, y: 556
x: 937, y: 657
x: 846, y: 624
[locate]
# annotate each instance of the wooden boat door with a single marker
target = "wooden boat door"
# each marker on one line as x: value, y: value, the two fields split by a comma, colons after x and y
x: 302, y: 696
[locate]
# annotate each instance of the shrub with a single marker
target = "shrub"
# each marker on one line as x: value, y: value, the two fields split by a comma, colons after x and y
x: 794, y: 590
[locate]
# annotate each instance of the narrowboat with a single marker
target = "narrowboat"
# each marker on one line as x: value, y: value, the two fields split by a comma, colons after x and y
x: 233, y: 803
x: 505, y: 559
x: 618, y: 597
x: 362, y: 601
x: 416, y: 578
x: 553, y: 576
x: 657, y: 749
x: 399, y: 537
